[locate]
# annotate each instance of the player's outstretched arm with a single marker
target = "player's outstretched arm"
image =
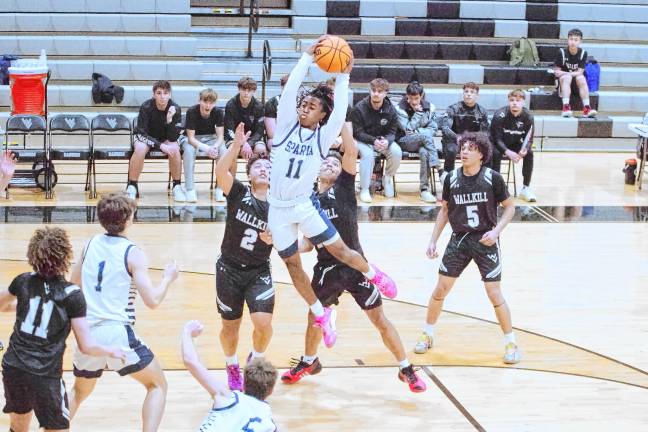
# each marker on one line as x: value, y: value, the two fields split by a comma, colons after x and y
x: 87, y: 344
x: 331, y: 130
x: 7, y: 301
x: 350, y: 147
x: 224, y: 177
x: 214, y: 387
x: 77, y: 268
x: 151, y: 295
x: 7, y: 168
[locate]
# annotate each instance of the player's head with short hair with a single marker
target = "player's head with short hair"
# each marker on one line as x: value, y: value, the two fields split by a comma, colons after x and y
x: 115, y: 211
x: 378, y: 89
x: 50, y: 252
x: 208, y: 99
x: 415, y: 94
x: 162, y: 85
x: 470, y: 93
x: 331, y: 167
x: 258, y: 170
x: 162, y: 92
x: 247, y: 86
x: 516, y: 100
x: 574, y: 38
x: 259, y: 378
x: 469, y: 142
x: 315, y: 106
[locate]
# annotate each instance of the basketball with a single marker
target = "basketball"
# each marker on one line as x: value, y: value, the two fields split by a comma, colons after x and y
x: 333, y: 54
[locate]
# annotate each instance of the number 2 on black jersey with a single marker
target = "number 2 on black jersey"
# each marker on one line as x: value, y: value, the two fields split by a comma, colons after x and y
x: 248, y: 240
x: 297, y: 171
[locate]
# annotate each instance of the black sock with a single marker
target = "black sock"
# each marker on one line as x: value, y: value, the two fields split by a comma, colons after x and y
x: 132, y: 183
x: 176, y: 183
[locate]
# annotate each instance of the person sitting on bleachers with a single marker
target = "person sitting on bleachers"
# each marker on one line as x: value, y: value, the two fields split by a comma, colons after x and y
x: 7, y: 168
x: 416, y: 134
x: 464, y: 116
x: 157, y: 127
x: 270, y: 114
x: 512, y: 135
x: 245, y: 108
x: 375, y: 123
x: 569, y: 69
x: 203, y: 136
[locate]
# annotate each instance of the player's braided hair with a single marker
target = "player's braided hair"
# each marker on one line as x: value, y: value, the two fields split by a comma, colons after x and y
x: 325, y: 95
x: 480, y: 140
x: 50, y: 252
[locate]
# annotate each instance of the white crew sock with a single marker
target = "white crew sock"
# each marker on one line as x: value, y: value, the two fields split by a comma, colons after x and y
x: 370, y: 274
x: 403, y: 363
x: 509, y: 338
x: 257, y: 355
x: 565, y: 101
x: 586, y: 102
x: 428, y: 329
x: 317, y: 308
x: 231, y: 360
x: 308, y: 359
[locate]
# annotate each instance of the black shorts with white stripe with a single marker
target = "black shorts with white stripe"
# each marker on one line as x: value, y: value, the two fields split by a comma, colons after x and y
x: 465, y: 247
x: 330, y: 280
x: 236, y: 284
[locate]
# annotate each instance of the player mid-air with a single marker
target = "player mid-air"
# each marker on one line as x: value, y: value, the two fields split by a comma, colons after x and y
x: 303, y: 137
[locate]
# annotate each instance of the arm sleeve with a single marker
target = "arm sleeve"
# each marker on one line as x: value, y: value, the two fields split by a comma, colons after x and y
x: 331, y: 130
x: 445, y: 194
x: 558, y: 62
x: 500, y: 191
x: 483, y: 122
x: 392, y: 128
x: 497, y: 133
x: 220, y: 117
x: 190, y: 122
x: 172, y: 132
x: 529, y: 127
x: 429, y: 128
x: 403, y: 118
x: 75, y: 305
x: 286, y: 110
x: 18, y: 280
x: 270, y: 109
x: 346, y: 185
x: 230, y: 121
x: 143, y: 122
x: 446, y: 125
x: 359, y: 132
x: 258, y: 127
x: 237, y: 191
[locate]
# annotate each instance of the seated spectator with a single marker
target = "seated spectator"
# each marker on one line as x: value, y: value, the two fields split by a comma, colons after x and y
x: 270, y: 114
x: 7, y: 168
x: 569, y: 68
x: 375, y: 123
x: 157, y: 127
x: 245, y: 108
x: 348, y: 125
x: 464, y: 116
x: 416, y: 134
x: 512, y: 135
x: 203, y: 136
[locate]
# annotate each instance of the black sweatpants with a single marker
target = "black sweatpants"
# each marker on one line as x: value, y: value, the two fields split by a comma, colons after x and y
x: 527, y: 164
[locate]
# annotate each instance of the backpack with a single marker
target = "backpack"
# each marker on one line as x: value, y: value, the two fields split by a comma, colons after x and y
x: 103, y: 90
x: 592, y: 74
x: 523, y: 52
x: 5, y: 63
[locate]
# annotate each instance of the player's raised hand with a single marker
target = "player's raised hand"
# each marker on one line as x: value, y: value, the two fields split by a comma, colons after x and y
x: 213, y: 152
x: 349, y: 67
x: 117, y: 353
x: 7, y: 163
x: 489, y: 238
x: 266, y: 236
x: 194, y: 328
x: 171, y: 271
x: 240, y: 137
x: 311, y: 49
x: 432, y: 251
x: 170, y: 114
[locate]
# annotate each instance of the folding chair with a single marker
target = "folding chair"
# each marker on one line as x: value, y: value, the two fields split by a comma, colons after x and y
x: 109, y: 125
x: 42, y: 174
x: 70, y: 125
x: 510, y: 174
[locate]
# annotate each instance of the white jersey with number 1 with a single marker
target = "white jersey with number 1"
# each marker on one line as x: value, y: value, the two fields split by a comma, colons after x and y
x: 298, y: 152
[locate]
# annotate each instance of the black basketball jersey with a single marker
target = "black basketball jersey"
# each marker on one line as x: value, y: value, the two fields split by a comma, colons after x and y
x: 246, y: 218
x: 569, y: 62
x: 340, y: 205
x: 472, y: 200
x: 43, y: 322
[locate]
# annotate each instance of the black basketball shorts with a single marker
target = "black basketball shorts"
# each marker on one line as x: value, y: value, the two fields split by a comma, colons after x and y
x: 46, y: 396
x: 331, y: 280
x: 236, y: 285
x: 463, y: 248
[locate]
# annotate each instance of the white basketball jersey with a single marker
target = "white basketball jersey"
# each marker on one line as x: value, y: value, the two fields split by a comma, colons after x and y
x: 107, y: 283
x: 245, y: 413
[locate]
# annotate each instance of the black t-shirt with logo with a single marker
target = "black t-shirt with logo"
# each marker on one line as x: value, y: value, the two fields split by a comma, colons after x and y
x: 340, y: 205
x: 472, y: 200
x: 43, y: 322
x: 570, y: 62
x: 204, y: 126
x: 247, y: 216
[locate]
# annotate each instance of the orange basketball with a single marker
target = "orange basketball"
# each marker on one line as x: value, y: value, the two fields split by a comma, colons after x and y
x: 333, y: 54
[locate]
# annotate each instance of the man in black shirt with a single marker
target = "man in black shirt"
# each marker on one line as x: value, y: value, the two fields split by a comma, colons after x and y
x: 245, y: 108
x: 336, y: 194
x: 270, y: 113
x: 47, y: 308
x: 203, y: 136
x: 157, y: 127
x: 243, y: 269
x: 512, y: 135
x: 471, y: 195
x: 375, y: 123
x: 464, y: 116
x: 569, y: 69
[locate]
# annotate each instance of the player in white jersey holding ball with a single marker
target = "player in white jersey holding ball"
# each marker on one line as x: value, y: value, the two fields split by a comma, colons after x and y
x: 302, y: 140
x: 111, y: 271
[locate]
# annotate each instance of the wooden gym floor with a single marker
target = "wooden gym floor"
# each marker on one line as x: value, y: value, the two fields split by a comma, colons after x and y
x: 575, y: 278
